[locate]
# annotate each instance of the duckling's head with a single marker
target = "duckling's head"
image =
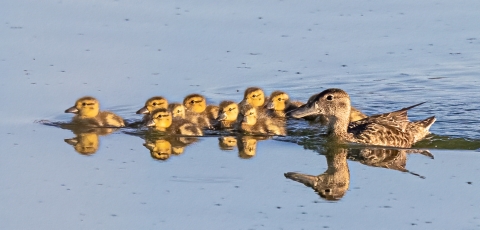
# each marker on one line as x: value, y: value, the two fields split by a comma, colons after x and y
x: 249, y: 114
x: 160, y: 119
x: 195, y: 102
x: 332, y: 103
x: 152, y: 104
x: 85, y: 107
x: 84, y: 143
x: 228, y: 111
x: 278, y: 100
x: 254, y: 96
x: 177, y: 109
x: 159, y: 149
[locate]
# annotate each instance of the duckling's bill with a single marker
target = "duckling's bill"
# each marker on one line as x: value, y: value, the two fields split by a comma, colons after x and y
x: 72, y: 109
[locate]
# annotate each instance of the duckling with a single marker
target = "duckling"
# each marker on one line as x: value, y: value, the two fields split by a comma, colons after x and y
x: 177, y: 109
x: 279, y: 104
x: 162, y: 120
x: 227, y: 114
x: 355, y: 114
x: 256, y: 123
x: 388, y: 129
x: 198, y: 112
x: 151, y: 104
x: 87, y: 110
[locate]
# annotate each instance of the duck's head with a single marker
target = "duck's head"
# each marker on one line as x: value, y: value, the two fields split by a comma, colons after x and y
x: 254, y: 96
x: 85, y: 107
x: 160, y: 119
x: 249, y: 114
x: 195, y: 102
x: 228, y: 111
x: 332, y: 103
x: 159, y: 149
x: 177, y: 109
x: 278, y: 100
x: 152, y: 104
x: 84, y: 143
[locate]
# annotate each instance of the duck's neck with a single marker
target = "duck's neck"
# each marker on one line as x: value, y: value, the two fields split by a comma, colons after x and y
x: 337, y: 127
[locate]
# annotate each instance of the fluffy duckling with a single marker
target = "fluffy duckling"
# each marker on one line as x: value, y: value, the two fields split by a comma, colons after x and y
x: 253, y: 96
x: 87, y: 110
x: 151, y: 104
x: 197, y: 110
x: 227, y: 114
x: 256, y: 123
x: 162, y: 120
x: 177, y: 109
x: 388, y: 129
x: 278, y: 104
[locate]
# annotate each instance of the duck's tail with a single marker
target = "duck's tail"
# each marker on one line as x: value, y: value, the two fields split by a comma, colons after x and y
x: 420, y: 129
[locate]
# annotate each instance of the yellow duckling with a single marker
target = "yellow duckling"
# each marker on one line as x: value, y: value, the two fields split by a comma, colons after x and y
x: 256, y: 123
x: 87, y: 110
x: 253, y: 96
x: 227, y: 114
x: 177, y: 109
x: 198, y: 112
x: 279, y: 104
x: 152, y: 104
x: 162, y: 120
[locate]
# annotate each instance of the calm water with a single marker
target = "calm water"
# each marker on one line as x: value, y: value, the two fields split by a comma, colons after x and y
x: 385, y: 55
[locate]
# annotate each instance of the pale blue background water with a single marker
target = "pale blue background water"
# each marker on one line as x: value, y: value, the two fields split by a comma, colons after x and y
x: 387, y: 55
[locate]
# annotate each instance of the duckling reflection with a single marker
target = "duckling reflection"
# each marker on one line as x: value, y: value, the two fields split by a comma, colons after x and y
x: 86, y: 140
x: 247, y: 145
x: 163, y: 147
x: 334, y: 182
x: 227, y: 143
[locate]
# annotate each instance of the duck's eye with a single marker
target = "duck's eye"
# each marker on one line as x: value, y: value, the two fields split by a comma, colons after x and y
x: 279, y: 99
x: 329, y: 97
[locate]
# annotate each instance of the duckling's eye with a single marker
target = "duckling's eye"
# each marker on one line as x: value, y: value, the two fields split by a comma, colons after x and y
x: 254, y: 96
x: 329, y: 97
x: 84, y: 104
x: 192, y: 102
x: 154, y: 103
x: 251, y: 113
x: 279, y: 99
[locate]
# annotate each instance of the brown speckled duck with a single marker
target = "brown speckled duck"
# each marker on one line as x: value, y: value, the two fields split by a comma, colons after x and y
x: 278, y: 104
x: 388, y: 129
x: 162, y: 120
x: 87, y: 110
x: 256, y: 123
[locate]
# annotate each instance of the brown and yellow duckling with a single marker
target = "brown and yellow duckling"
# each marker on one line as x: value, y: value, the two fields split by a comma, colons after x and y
x: 162, y: 120
x: 256, y: 123
x: 227, y: 114
x: 198, y: 112
x: 255, y: 97
x: 388, y: 129
x: 152, y: 104
x: 278, y: 104
x: 87, y: 110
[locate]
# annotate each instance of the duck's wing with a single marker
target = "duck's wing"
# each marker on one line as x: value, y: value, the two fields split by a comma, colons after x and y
x: 397, y: 119
x: 380, y: 134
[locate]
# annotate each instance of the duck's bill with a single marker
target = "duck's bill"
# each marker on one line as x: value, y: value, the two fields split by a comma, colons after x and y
x: 303, y: 112
x: 150, y: 123
x: 72, y: 110
x: 305, y: 179
x: 143, y: 110
x: 222, y: 117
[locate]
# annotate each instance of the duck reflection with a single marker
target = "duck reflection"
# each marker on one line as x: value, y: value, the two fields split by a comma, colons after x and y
x: 334, y: 182
x: 86, y: 140
x: 247, y: 145
x: 161, y: 148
